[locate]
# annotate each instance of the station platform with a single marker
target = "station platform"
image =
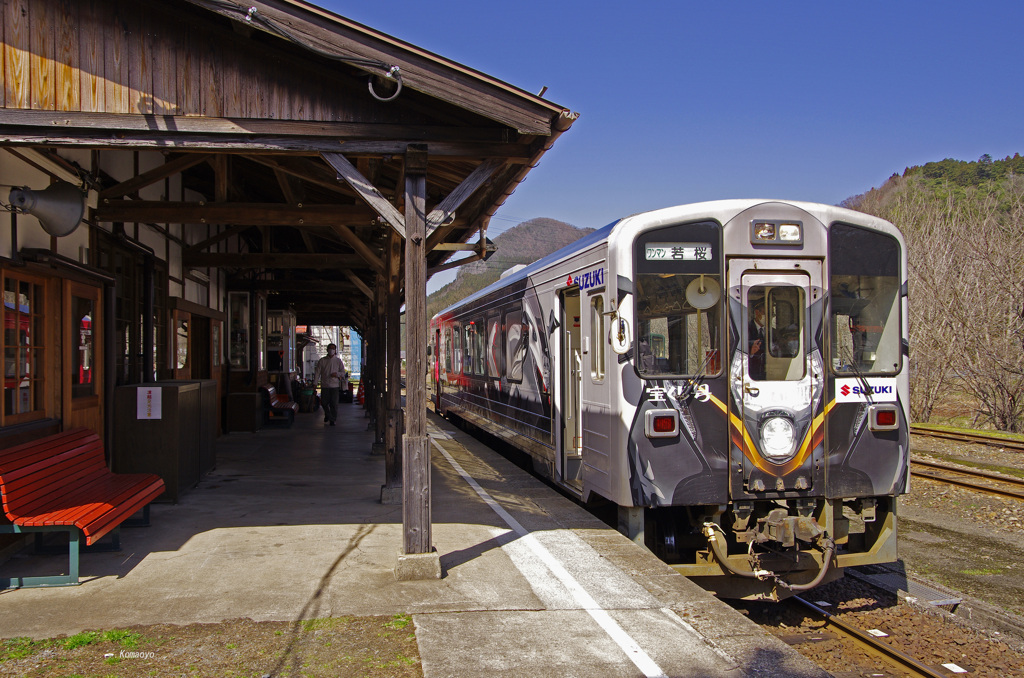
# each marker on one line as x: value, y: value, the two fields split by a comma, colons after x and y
x: 290, y: 526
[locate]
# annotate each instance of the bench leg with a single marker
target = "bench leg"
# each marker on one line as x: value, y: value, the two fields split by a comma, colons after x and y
x: 138, y: 522
x: 70, y: 579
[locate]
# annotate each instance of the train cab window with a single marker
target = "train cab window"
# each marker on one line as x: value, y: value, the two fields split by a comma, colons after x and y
x: 597, y: 337
x: 495, y: 348
x: 776, y: 333
x: 516, y: 336
x: 864, y: 291
x: 673, y: 336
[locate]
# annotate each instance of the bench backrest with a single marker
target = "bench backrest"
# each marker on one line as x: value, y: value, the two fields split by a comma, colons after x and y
x: 49, y: 466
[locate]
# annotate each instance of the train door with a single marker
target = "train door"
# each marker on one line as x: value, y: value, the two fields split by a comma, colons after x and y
x: 777, y: 375
x: 571, y: 405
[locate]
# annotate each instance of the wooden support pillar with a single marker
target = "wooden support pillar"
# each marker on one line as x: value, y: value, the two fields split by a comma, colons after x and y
x: 416, y: 485
x: 393, y: 428
x: 380, y: 364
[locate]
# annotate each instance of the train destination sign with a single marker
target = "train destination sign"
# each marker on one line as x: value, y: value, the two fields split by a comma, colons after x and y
x: 677, y: 251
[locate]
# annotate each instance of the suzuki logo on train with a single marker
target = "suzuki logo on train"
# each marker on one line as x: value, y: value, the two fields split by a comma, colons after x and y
x: 587, y: 280
x: 858, y: 391
x: 870, y: 390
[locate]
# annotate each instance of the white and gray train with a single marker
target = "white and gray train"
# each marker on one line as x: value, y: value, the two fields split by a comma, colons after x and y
x: 731, y: 374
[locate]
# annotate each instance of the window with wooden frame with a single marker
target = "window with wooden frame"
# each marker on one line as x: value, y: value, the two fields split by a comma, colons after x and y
x: 24, y: 347
x: 83, y: 307
x: 181, y: 359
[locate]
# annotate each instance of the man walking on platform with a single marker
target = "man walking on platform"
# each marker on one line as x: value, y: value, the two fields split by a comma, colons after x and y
x: 332, y: 375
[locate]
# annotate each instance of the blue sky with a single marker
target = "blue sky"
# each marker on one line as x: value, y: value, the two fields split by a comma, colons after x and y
x: 688, y: 101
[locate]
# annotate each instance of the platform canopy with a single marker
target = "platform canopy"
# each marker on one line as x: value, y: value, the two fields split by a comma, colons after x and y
x: 289, y: 125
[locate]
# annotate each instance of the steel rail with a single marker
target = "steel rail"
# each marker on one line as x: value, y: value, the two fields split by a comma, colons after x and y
x: 978, y: 438
x: 900, y: 659
x: 963, y: 482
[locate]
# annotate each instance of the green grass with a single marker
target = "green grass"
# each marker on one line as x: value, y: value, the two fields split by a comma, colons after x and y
x: 399, y: 621
x: 19, y: 648
x: 965, y: 428
x: 324, y: 623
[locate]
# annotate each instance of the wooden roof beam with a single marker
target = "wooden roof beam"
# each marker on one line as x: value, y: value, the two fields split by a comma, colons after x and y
x: 169, y: 168
x: 248, y: 214
x: 366, y: 190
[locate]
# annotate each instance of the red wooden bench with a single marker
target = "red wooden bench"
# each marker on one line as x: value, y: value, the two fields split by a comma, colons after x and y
x: 61, y: 483
x: 278, y: 406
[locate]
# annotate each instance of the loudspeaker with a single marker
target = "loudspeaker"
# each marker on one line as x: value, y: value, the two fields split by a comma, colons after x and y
x: 58, y: 208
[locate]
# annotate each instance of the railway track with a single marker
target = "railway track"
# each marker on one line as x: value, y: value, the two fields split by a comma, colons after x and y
x: 874, y: 646
x: 981, y: 481
x: 978, y: 438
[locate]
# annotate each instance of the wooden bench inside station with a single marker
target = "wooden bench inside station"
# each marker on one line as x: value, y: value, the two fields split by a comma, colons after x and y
x: 61, y: 483
x: 279, y: 407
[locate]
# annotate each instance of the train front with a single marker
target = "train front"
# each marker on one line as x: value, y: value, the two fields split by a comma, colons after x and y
x: 770, y: 441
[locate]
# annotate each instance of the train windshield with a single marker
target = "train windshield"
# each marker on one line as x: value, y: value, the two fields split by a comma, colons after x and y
x: 865, y: 295
x: 674, y: 337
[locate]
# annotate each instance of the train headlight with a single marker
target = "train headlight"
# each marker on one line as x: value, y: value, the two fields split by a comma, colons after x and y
x: 778, y: 438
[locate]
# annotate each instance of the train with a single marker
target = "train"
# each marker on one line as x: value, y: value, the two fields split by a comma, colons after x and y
x: 730, y: 376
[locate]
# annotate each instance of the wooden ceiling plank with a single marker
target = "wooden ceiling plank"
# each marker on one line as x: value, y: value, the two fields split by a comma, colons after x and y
x: 347, y: 171
x: 169, y: 168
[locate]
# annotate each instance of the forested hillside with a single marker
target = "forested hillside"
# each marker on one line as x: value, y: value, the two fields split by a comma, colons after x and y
x: 964, y: 227
x: 522, y: 244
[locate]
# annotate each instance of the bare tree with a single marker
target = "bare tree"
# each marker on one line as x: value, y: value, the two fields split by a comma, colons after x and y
x: 966, y: 277
x: 931, y: 256
x: 988, y: 307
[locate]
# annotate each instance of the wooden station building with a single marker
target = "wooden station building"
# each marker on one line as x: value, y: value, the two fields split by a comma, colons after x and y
x: 243, y: 166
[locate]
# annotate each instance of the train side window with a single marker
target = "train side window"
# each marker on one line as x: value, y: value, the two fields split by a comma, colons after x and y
x: 495, y: 348
x: 457, y: 348
x: 673, y: 337
x: 864, y: 291
x: 468, y: 346
x: 597, y: 338
x: 448, y: 349
x: 516, y: 336
x: 479, y: 349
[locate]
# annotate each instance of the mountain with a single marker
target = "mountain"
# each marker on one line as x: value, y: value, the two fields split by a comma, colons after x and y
x: 947, y: 178
x: 522, y: 244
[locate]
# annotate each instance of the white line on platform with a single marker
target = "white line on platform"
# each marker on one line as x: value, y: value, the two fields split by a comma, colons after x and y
x: 640, y: 658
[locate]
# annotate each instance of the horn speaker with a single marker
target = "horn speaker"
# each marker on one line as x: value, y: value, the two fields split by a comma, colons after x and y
x: 58, y: 208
